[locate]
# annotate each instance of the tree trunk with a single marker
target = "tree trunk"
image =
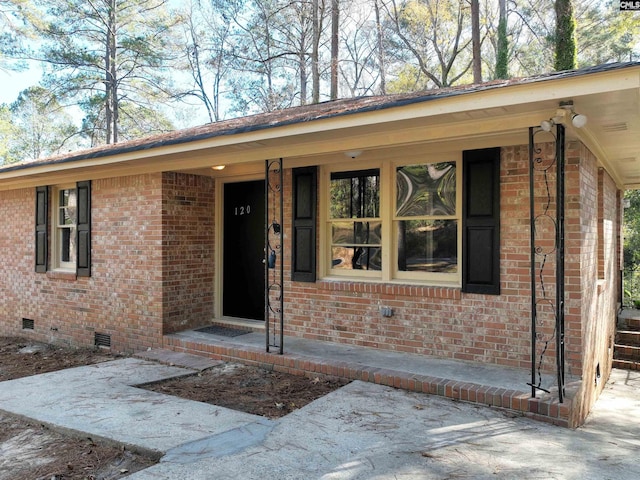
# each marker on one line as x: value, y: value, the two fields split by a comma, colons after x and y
x: 111, y: 91
x: 475, y: 39
x: 315, y: 68
x: 381, y: 63
x: 565, y: 55
x: 335, y: 23
x: 502, y: 54
x: 303, y: 78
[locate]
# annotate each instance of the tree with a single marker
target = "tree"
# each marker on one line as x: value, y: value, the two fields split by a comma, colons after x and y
x: 335, y: 47
x: 362, y: 60
x: 8, y: 132
x: 298, y: 43
x: 565, y: 41
x: 205, y: 55
x: 15, y: 18
x: 317, y: 12
x: 532, y: 30
x: 435, y: 33
x: 502, y: 49
x: 475, y: 40
x: 381, y: 49
x: 262, y: 83
x: 120, y: 61
x: 107, y: 53
x: 41, y: 126
x: 631, y: 255
x: 604, y: 35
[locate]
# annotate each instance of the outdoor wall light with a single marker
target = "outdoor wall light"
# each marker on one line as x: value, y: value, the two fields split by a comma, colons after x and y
x: 218, y: 167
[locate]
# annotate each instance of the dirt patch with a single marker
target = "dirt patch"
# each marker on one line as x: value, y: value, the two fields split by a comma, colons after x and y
x: 33, y: 451
x: 249, y: 389
x: 21, y: 358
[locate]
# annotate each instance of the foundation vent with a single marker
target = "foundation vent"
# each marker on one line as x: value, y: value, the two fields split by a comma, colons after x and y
x: 28, y: 324
x: 102, y: 340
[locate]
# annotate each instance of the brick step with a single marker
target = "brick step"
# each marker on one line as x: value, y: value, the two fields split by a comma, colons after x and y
x: 626, y: 364
x: 626, y: 352
x: 628, y: 337
x: 630, y: 324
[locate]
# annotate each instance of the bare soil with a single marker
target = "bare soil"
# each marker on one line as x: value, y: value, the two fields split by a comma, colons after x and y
x: 30, y: 451
x: 249, y: 389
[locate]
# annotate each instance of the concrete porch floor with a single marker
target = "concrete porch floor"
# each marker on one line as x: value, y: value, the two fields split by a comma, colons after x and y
x: 489, y: 385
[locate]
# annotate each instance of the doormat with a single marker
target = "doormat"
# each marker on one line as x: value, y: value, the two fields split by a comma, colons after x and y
x: 223, y: 331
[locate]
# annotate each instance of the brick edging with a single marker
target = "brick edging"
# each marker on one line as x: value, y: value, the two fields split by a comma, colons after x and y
x: 548, y: 410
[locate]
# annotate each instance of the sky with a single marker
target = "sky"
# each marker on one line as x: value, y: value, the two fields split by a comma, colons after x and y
x: 12, y: 83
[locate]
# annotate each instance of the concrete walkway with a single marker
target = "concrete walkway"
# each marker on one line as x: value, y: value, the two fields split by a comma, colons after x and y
x: 361, y: 431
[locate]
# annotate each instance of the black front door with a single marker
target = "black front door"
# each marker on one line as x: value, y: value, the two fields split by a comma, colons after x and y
x: 243, y: 277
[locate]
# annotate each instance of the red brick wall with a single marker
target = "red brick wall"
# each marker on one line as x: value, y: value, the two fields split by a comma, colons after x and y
x: 596, y: 298
x: 188, y: 239
x: 451, y: 324
x: 431, y: 320
x: 153, y: 272
x: 123, y: 296
x: 16, y: 259
x: 126, y: 277
x: 152, y: 265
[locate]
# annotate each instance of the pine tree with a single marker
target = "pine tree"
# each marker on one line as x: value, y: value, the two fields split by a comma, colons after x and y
x: 566, y: 50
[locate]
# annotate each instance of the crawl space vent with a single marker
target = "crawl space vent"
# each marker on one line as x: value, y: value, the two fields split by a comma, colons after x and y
x: 28, y: 324
x: 102, y: 340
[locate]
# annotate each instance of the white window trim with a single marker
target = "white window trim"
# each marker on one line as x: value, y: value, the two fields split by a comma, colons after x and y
x: 389, y: 272
x: 57, y: 263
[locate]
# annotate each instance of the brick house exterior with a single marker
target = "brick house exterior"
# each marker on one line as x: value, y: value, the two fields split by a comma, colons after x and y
x: 157, y: 231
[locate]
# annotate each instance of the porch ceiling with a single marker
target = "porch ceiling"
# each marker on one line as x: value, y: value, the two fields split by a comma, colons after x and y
x: 494, y: 114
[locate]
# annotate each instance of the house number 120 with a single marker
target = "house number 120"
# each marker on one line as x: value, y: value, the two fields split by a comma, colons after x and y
x: 242, y: 210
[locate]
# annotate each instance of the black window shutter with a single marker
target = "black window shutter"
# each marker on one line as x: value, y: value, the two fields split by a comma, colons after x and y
x: 481, y: 221
x: 42, y: 229
x: 304, y: 224
x: 83, y: 243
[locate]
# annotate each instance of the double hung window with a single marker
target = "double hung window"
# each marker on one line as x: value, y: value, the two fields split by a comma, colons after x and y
x: 356, y: 234
x: 395, y: 222
x: 426, y: 219
x: 431, y: 221
x: 63, y: 228
x: 65, y: 225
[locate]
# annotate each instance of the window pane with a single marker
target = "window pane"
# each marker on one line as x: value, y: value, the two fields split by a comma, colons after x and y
x: 428, y: 189
x: 67, y: 244
x: 348, y: 233
x: 356, y: 258
x: 355, y: 194
x: 68, y: 207
x: 427, y: 245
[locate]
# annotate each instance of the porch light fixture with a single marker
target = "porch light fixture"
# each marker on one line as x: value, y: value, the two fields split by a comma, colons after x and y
x: 578, y: 120
x: 547, y: 125
x: 565, y: 109
x: 218, y: 167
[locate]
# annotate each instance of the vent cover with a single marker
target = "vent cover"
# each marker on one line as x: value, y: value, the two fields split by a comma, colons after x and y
x: 28, y: 324
x: 102, y: 340
x: 615, y: 127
